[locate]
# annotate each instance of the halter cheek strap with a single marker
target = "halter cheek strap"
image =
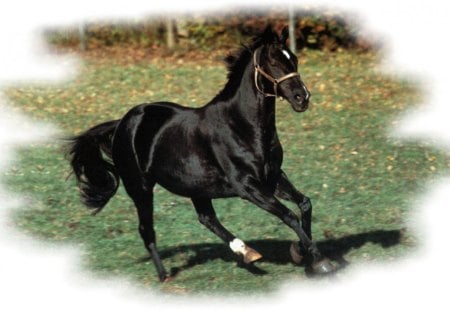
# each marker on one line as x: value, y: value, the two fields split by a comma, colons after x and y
x: 275, y: 81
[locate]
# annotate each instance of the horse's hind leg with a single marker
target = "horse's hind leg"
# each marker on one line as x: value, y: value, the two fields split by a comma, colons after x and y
x: 143, y: 199
x: 208, y: 218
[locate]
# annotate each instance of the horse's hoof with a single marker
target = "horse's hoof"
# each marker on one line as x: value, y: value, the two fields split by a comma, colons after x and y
x: 164, y: 277
x: 296, y: 253
x: 323, y: 266
x: 168, y: 279
x: 251, y: 255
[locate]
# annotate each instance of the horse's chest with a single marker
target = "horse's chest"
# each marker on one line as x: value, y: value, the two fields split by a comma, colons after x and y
x: 263, y: 163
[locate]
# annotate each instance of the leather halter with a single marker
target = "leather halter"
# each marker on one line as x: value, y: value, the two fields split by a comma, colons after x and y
x: 275, y: 81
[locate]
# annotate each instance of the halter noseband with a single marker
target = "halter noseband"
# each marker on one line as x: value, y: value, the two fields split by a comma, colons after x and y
x: 275, y: 82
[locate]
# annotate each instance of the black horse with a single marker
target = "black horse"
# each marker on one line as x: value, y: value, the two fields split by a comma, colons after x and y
x: 227, y: 148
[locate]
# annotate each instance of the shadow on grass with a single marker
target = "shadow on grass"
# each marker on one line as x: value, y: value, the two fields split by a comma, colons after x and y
x: 277, y: 251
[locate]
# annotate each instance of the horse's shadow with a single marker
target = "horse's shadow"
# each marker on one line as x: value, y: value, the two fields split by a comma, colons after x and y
x: 333, y: 248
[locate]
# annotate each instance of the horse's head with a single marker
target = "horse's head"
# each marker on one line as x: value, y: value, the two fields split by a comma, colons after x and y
x: 276, y: 70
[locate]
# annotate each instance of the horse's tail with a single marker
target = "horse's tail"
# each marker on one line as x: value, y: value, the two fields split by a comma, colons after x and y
x: 90, y: 157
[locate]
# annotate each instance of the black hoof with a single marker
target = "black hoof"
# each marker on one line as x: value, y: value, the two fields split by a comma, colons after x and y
x: 323, y: 266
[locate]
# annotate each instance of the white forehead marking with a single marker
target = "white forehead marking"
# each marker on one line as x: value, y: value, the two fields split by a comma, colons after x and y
x: 286, y: 54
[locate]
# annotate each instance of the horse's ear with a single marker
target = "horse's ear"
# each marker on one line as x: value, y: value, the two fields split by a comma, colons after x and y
x: 269, y: 35
x: 284, y: 35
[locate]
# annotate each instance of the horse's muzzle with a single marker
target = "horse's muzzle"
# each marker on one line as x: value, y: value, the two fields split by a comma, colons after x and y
x: 300, y: 101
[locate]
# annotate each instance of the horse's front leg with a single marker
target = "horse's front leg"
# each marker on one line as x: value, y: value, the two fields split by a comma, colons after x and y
x: 286, y: 190
x: 251, y: 189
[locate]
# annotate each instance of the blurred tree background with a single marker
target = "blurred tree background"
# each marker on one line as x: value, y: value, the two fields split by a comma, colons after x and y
x: 314, y: 29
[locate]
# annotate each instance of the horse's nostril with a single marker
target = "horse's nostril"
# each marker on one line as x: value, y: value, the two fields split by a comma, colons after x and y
x: 298, y: 97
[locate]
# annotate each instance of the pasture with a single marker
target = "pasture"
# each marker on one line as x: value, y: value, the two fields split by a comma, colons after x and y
x: 362, y: 183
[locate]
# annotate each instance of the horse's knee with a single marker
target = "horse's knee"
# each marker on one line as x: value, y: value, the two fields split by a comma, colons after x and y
x: 305, y: 205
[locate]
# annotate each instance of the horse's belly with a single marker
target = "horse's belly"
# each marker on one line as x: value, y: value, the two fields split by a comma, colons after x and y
x: 190, y: 186
x: 191, y: 178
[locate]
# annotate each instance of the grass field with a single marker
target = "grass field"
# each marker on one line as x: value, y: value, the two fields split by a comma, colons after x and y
x: 362, y: 183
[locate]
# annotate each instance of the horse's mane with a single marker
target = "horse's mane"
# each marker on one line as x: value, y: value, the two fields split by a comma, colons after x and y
x: 237, y: 61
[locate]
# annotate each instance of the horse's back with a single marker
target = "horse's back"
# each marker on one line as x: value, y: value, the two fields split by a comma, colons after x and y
x: 137, y: 131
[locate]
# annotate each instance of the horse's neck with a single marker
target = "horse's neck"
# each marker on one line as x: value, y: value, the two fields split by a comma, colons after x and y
x: 253, y: 106
x: 249, y: 107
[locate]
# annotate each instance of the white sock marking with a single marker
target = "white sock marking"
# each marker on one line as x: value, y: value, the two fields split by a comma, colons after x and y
x: 237, y: 246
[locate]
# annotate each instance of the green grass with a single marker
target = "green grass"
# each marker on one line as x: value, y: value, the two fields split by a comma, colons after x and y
x: 362, y: 183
